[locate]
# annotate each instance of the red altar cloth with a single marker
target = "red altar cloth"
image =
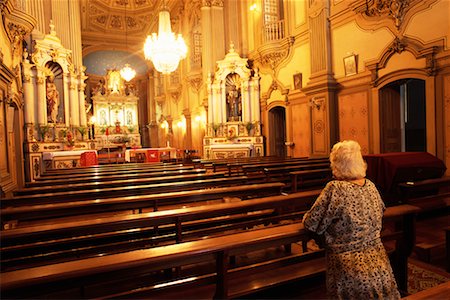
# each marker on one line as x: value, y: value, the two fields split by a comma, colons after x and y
x: 88, y: 158
x: 388, y: 169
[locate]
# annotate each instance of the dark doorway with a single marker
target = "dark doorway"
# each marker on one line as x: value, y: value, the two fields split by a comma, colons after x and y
x: 277, y: 131
x: 402, y: 116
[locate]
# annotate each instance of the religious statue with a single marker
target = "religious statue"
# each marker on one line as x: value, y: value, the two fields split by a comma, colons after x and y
x: 234, y: 104
x: 52, y: 101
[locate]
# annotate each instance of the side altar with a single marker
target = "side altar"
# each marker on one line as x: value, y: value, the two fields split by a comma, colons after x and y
x: 54, y: 106
x: 234, y: 124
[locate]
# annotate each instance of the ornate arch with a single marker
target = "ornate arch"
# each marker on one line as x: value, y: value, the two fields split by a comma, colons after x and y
x: 415, y: 47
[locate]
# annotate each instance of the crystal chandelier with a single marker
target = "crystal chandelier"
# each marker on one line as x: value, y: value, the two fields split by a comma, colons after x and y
x: 165, y: 50
x: 127, y: 72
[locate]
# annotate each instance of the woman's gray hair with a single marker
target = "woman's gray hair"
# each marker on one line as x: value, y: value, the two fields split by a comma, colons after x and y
x: 347, y: 161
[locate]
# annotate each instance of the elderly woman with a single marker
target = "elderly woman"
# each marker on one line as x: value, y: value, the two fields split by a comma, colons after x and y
x: 349, y: 213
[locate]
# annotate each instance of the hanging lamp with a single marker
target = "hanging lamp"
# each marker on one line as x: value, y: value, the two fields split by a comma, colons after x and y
x: 165, y: 50
x: 127, y: 72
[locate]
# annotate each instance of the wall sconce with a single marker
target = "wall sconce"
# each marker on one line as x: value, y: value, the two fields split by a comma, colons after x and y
x: 164, y: 125
x: 254, y: 7
x: 316, y: 103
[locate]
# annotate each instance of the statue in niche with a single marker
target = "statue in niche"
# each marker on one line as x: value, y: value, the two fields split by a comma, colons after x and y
x: 102, y: 118
x: 100, y: 88
x: 52, y: 101
x: 234, y: 104
x: 114, y: 82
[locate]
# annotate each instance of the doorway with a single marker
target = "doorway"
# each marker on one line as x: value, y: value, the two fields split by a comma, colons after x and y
x: 402, y: 116
x: 277, y: 131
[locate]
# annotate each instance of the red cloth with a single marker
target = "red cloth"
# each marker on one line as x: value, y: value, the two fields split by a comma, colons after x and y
x: 151, y: 156
x: 388, y: 169
x: 88, y: 158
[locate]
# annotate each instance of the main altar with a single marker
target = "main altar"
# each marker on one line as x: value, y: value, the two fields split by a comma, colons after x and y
x: 115, y: 113
x: 234, y: 124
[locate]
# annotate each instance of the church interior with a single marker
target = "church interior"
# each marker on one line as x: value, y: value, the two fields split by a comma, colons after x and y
x: 175, y: 104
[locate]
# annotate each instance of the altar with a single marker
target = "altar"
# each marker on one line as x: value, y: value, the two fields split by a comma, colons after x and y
x: 234, y: 110
x: 231, y: 150
x: 63, y: 159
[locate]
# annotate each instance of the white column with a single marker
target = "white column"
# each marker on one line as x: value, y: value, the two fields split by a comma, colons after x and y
x: 66, y: 85
x: 28, y: 91
x: 256, y: 104
x: 82, y: 101
x: 41, y: 99
x: 246, y: 102
x: 73, y: 102
x: 222, y: 104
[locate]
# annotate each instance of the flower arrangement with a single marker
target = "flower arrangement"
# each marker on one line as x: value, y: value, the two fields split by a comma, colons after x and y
x: 249, y: 126
x: 70, y: 142
x: 215, y: 127
x: 82, y: 131
x: 43, y: 130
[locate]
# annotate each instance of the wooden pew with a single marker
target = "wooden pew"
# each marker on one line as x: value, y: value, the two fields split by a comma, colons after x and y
x: 97, y: 168
x: 104, y: 184
x: 82, y: 278
x: 430, y: 207
x: 420, y: 188
x: 440, y: 291
x: 305, y: 178
x: 37, y: 244
x: 100, y: 177
x: 126, y: 190
x: 259, y: 167
x: 315, y: 178
x: 17, y: 213
x: 113, y: 172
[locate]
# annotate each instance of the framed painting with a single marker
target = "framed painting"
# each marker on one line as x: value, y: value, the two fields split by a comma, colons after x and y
x: 350, y: 65
x: 297, y: 81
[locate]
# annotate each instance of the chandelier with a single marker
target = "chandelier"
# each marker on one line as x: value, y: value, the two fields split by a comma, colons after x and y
x: 127, y: 72
x: 165, y: 50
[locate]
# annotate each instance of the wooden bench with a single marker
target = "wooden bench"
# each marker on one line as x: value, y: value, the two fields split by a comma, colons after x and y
x: 259, y: 167
x: 33, y: 245
x: 414, y: 189
x: 104, y: 172
x: 16, y: 213
x: 125, y: 190
x: 82, y: 278
x: 109, y: 177
x: 429, y: 206
x: 305, y: 178
x: 142, y: 179
x: 437, y: 292
x: 239, y: 166
x: 283, y: 174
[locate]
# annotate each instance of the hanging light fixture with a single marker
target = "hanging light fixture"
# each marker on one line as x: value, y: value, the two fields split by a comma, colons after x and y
x: 165, y: 50
x: 127, y: 72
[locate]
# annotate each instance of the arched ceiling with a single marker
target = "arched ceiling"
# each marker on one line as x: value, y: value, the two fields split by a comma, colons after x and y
x: 103, y: 23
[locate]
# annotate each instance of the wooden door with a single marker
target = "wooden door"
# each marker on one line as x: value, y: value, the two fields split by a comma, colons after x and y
x: 390, y: 122
x: 277, y: 131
